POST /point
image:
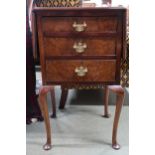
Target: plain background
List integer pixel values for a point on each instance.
(13, 77)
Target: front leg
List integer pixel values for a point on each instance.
(119, 102)
(44, 109)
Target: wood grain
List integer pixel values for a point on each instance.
(95, 46)
(64, 24)
(63, 70)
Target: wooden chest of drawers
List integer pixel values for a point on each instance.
(80, 45)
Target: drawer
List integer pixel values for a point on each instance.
(79, 47)
(79, 24)
(80, 70)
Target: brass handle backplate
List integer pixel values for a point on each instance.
(81, 71)
(79, 27)
(80, 47)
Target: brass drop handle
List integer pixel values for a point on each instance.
(80, 47)
(81, 71)
(79, 27)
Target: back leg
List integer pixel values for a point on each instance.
(53, 103)
(64, 93)
(106, 97)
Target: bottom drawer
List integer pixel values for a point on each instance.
(80, 70)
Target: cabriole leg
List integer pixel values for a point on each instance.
(44, 109)
(119, 102)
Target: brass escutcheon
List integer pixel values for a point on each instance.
(79, 27)
(81, 71)
(79, 47)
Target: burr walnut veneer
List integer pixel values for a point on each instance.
(81, 46)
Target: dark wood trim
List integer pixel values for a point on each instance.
(79, 11)
(124, 44)
(82, 83)
(118, 50)
(80, 57)
(81, 34)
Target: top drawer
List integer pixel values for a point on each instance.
(79, 24)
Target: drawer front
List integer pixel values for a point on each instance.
(79, 47)
(80, 71)
(79, 24)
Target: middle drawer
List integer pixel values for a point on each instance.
(75, 47)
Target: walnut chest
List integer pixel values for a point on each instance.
(81, 45)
